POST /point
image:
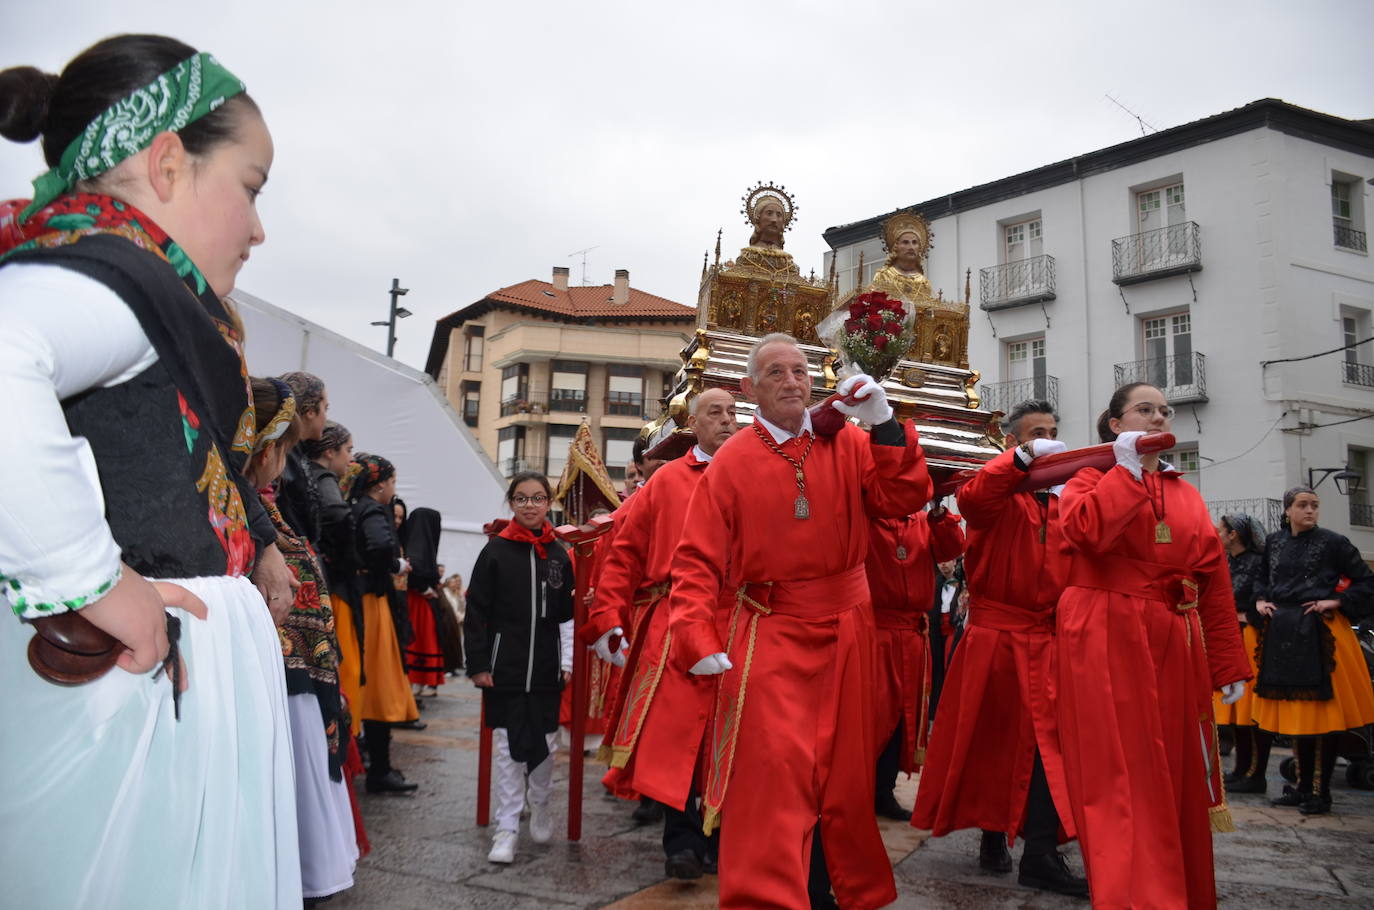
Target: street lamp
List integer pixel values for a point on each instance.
(1347, 481)
(397, 312)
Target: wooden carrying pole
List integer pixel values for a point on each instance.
(483, 769)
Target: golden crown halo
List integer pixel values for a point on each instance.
(762, 192)
(903, 223)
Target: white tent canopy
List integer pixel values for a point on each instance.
(393, 411)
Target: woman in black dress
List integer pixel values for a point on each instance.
(1243, 540)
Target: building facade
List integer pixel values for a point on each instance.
(1214, 260)
(527, 364)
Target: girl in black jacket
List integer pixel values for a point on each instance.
(519, 652)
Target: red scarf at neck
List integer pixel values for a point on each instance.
(514, 530)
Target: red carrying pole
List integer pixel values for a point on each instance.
(483, 769)
(580, 693)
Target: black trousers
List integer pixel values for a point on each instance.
(889, 762)
(682, 828)
(378, 736)
(1042, 819)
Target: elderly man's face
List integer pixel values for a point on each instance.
(714, 421)
(783, 385)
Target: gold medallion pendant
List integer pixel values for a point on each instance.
(1162, 533)
(801, 508)
(901, 553)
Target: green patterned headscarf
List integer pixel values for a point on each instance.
(185, 93)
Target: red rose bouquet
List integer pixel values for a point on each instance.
(870, 333)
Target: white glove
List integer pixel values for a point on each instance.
(1231, 692)
(602, 647)
(1038, 448)
(711, 665)
(1126, 455)
(872, 407)
(405, 566)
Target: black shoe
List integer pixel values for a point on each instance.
(1247, 785)
(993, 855)
(1290, 797)
(824, 902)
(1049, 872)
(410, 725)
(886, 806)
(648, 812)
(1315, 805)
(391, 782)
(710, 864)
(684, 865)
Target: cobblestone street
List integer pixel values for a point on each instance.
(427, 853)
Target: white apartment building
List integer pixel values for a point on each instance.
(1212, 259)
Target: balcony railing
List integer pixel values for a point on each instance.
(627, 404)
(1349, 238)
(1164, 251)
(1003, 396)
(571, 401)
(1361, 514)
(513, 466)
(1357, 373)
(1267, 512)
(1181, 377)
(1017, 283)
(525, 404)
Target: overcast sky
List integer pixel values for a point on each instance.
(462, 147)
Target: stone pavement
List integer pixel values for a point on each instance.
(428, 854)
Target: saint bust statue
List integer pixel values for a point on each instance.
(769, 209)
(906, 236)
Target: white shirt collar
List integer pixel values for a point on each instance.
(778, 433)
(700, 454)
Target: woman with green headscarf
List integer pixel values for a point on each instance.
(164, 778)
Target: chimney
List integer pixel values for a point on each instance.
(620, 294)
(560, 278)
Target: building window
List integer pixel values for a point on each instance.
(1347, 212)
(1022, 240)
(472, 401)
(568, 387)
(515, 388)
(618, 450)
(1361, 512)
(510, 450)
(473, 341)
(1355, 365)
(1185, 460)
(560, 441)
(624, 390)
(1169, 350)
(1026, 368)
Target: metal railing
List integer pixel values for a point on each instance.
(525, 404)
(1349, 238)
(512, 466)
(1357, 373)
(1154, 254)
(1181, 377)
(1361, 514)
(572, 401)
(1003, 396)
(1017, 283)
(1267, 512)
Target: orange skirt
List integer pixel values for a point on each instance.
(1241, 714)
(350, 660)
(386, 695)
(1352, 702)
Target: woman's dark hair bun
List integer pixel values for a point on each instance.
(24, 95)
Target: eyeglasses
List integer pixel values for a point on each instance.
(1148, 410)
(537, 499)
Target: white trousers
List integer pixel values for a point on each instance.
(509, 779)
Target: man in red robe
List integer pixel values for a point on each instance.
(902, 553)
(994, 760)
(632, 595)
(785, 513)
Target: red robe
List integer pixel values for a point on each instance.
(997, 705)
(632, 594)
(900, 566)
(800, 747)
(1145, 631)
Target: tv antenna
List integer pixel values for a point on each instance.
(1145, 128)
(583, 254)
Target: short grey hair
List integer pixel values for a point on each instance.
(770, 338)
(1012, 422)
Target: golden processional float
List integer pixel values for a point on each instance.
(763, 291)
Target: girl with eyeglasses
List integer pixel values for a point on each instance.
(517, 635)
(1243, 540)
(1145, 630)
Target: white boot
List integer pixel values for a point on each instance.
(502, 848)
(541, 822)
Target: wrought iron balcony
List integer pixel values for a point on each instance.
(1003, 396)
(526, 404)
(1164, 251)
(1357, 373)
(1361, 514)
(1181, 377)
(1349, 238)
(1267, 512)
(513, 466)
(1017, 283)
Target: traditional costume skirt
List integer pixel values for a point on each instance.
(108, 801)
(324, 817)
(424, 657)
(350, 659)
(1240, 714)
(386, 694)
(1351, 701)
